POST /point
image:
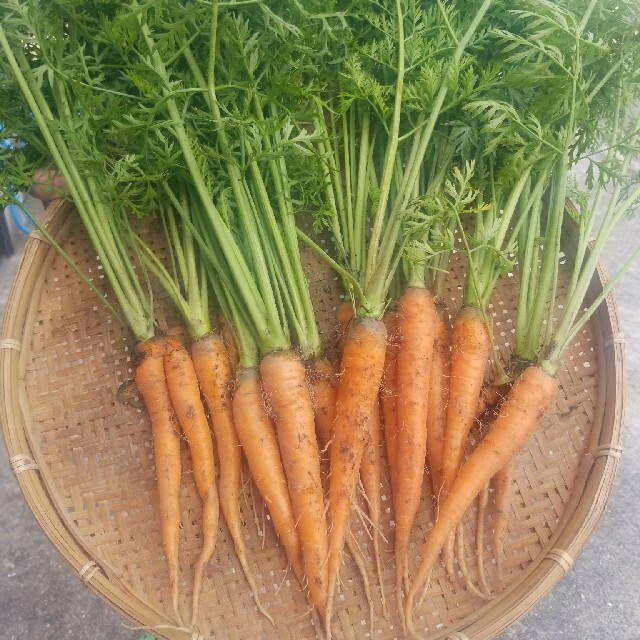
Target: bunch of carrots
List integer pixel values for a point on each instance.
(399, 133)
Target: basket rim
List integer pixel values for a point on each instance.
(589, 496)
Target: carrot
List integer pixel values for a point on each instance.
(344, 315)
(470, 350)
(482, 514)
(229, 342)
(389, 392)
(530, 396)
(371, 477)
(358, 387)
(324, 393)
(214, 371)
(371, 465)
(284, 381)
(501, 484)
(416, 325)
(185, 397)
(150, 380)
(258, 438)
(438, 398)
(490, 396)
(323, 384)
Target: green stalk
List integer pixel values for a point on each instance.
(279, 241)
(244, 206)
(263, 312)
(308, 335)
(528, 254)
(347, 277)
(390, 155)
(136, 312)
(572, 306)
(357, 251)
(342, 216)
(193, 304)
(245, 338)
(67, 258)
(379, 264)
(553, 355)
(544, 285)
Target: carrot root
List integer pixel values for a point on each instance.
(530, 396)
(416, 327)
(464, 567)
(371, 477)
(358, 557)
(358, 387)
(438, 398)
(482, 515)
(215, 374)
(389, 392)
(230, 343)
(152, 385)
(185, 397)
(323, 385)
(448, 555)
(502, 484)
(285, 383)
(257, 435)
(470, 351)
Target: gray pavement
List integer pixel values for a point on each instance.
(42, 599)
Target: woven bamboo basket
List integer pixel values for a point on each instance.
(83, 459)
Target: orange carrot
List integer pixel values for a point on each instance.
(213, 368)
(416, 326)
(501, 484)
(229, 342)
(482, 514)
(470, 350)
(323, 384)
(325, 390)
(371, 476)
(389, 392)
(358, 387)
(150, 380)
(185, 397)
(344, 315)
(438, 398)
(285, 384)
(490, 396)
(530, 396)
(258, 438)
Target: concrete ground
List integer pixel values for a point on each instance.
(42, 599)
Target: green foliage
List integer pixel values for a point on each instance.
(365, 115)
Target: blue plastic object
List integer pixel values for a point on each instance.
(18, 214)
(19, 217)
